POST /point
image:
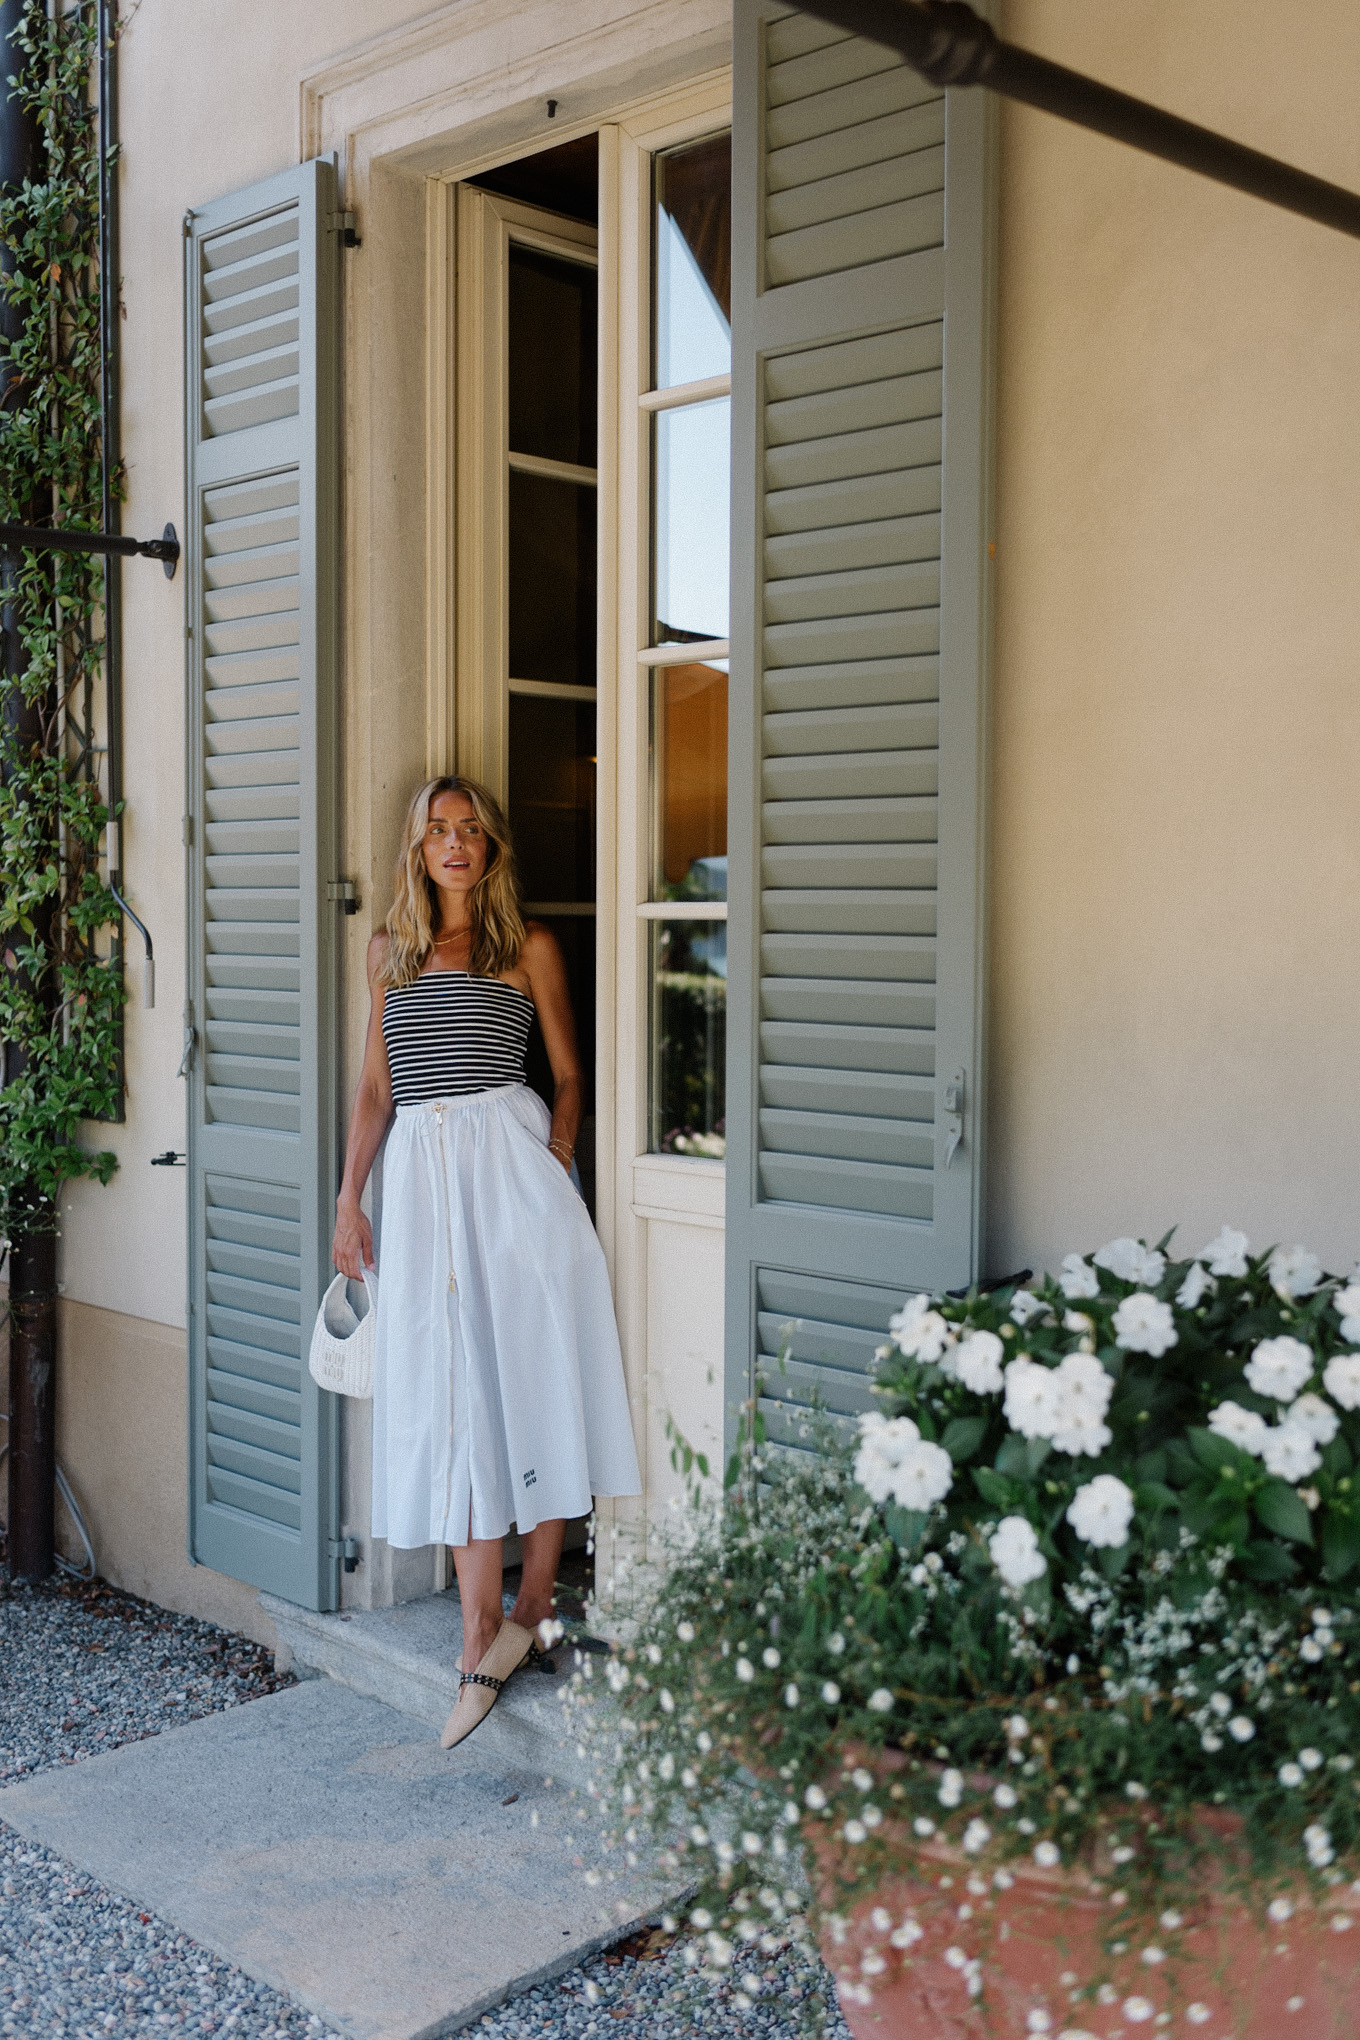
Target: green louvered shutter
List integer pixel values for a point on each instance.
(861, 314)
(262, 294)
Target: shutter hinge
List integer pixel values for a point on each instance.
(186, 1061)
(345, 892)
(345, 224)
(955, 1092)
(187, 832)
(346, 1549)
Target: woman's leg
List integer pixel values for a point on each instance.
(478, 1566)
(542, 1555)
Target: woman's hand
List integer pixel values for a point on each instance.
(352, 1247)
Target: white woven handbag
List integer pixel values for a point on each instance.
(341, 1358)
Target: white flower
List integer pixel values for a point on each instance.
(1152, 1956)
(1005, 1797)
(1211, 1742)
(685, 1631)
(1346, 1303)
(976, 1836)
(906, 1935)
(1311, 1651)
(1241, 1728)
(1078, 1278)
(1077, 1321)
(855, 1831)
(746, 1671)
(1198, 1281)
(1227, 1255)
(951, 1788)
(1293, 1271)
(1015, 1551)
(1047, 1855)
(880, 1701)
(923, 1827)
(831, 1692)
(1280, 1910)
(835, 1643)
(1279, 1368)
(895, 1461)
(1289, 1452)
(1025, 1305)
(1137, 2009)
(1245, 1428)
(1032, 1398)
(791, 1695)
(1084, 1390)
(1101, 1511)
(815, 1798)
(1316, 1417)
(770, 1659)
(1311, 1759)
(977, 1363)
(1221, 1705)
(1290, 1775)
(918, 1331)
(1198, 2014)
(1341, 1378)
(1131, 1261)
(1142, 1324)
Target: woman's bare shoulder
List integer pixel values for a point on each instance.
(378, 947)
(539, 943)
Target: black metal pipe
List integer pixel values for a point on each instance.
(110, 330)
(951, 45)
(65, 538)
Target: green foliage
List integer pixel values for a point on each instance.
(60, 998)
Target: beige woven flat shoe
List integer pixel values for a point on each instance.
(479, 1691)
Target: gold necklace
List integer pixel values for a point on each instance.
(457, 936)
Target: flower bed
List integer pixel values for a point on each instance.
(1091, 1568)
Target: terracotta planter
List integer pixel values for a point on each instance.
(1231, 1973)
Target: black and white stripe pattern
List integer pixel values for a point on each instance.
(448, 1034)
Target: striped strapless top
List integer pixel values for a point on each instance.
(448, 1034)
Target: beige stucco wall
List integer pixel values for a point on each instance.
(1175, 953)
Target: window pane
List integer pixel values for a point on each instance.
(694, 262)
(689, 782)
(689, 1036)
(692, 456)
(552, 796)
(552, 357)
(552, 580)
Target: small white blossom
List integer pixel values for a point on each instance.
(746, 1671)
(835, 1643)
(1290, 1775)
(1143, 1324)
(1077, 1321)
(831, 1692)
(791, 1695)
(1221, 1705)
(951, 1788)
(923, 1827)
(1241, 1728)
(815, 1798)
(1279, 1910)
(1246, 1428)
(1131, 1261)
(1006, 1797)
(1289, 1452)
(1137, 2009)
(1032, 1398)
(1101, 1511)
(1279, 1368)
(1047, 1855)
(1078, 1278)
(1026, 1306)
(880, 1701)
(895, 1461)
(1084, 1391)
(685, 1631)
(1227, 1255)
(1198, 2014)
(977, 1363)
(1316, 1417)
(976, 1836)
(862, 1780)
(770, 1658)
(955, 1957)
(1346, 1303)
(906, 1935)
(1211, 1742)
(855, 1831)
(1015, 1551)
(1311, 1759)
(1311, 1651)
(920, 1332)
(1341, 1378)
(1197, 1284)
(1152, 1956)
(1293, 1271)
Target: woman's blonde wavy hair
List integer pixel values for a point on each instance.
(494, 903)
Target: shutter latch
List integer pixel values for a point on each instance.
(346, 1549)
(954, 1094)
(186, 1061)
(345, 224)
(345, 893)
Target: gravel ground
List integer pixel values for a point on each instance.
(84, 1668)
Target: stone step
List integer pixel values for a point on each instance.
(405, 1657)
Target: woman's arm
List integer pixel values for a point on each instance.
(541, 959)
(353, 1244)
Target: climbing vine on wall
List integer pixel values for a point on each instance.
(60, 996)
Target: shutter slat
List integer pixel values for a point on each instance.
(262, 323)
(861, 911)
(858, 1092)
(897, 725)
(890, 88)
(910, 1050)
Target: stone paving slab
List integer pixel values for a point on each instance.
(327, 1845)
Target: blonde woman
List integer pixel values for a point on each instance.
(498, 1386)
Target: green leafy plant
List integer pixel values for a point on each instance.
(1083, 1584)
(61, 992)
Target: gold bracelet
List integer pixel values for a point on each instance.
(556, 1144)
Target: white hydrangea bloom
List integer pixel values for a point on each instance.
(1293, 1271)
(1143, 1324)
(1078, 1278)
(977, 1363)
(1341, 1379)
(1015, 1551)
(1289, 1452)
(895, 1462)
(1032, 1398)
(1101, 1511)
(1347, 1305)
(1316, 1417)
(1227, 1255)
(1279, 1368)
(1197, 1285)
(1025, 1306)
(1131, 1261)
(1084, 1391)
(920, 1332)
(1240, 1427)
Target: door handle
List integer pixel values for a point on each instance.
(955, 1094)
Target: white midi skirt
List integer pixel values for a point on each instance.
(498, 1392)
